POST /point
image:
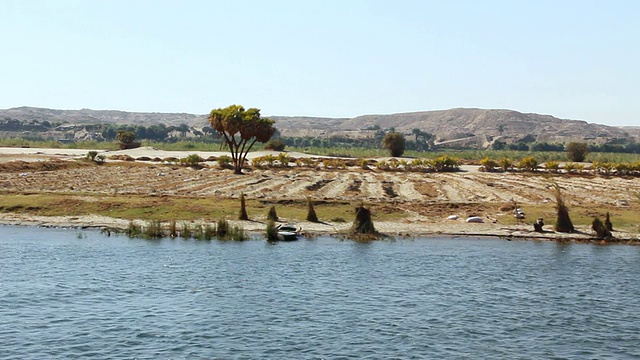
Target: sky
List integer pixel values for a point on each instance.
(570, 59)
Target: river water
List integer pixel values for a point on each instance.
(79, 294)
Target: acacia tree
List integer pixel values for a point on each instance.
(240, 130)
(394, 142)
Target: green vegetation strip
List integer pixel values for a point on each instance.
(168, 208)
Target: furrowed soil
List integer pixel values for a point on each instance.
(73, 192)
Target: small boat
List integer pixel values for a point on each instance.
(288, 232)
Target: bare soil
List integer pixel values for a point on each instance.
(422, 201)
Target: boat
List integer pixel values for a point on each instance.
(288, 232)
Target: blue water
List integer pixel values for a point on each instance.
(78, 294)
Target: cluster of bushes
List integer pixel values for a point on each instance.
(530, 164)
(155, 229)
(440, 164)
(268, 161)
(621, 169)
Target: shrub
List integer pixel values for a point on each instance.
(222, 229)
(363, 163)
(570, 167)
(271, 231)
(505, 164)
(577, 151)
(395, 143)
(284, 159)
(552, 166)
(153, 230)
(276, 145)
(305, 162)
(272, 215)
(416, 164)
(238, 234)
(204, 232)
(621, 168)
(488, 165)
(100, 158)
(173, 231)
(600, 229)
(311, 212)
(91, 155)
(528, 163)
(133, 230)
(186, 232)
(394, 164)
(607, 222)
(224, 162)
(363, 223)
(445, 163)
(191, 160)
(563, 221)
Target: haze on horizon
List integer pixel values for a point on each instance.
(570, 59)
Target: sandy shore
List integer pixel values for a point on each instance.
(425, 199)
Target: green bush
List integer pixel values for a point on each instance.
(271, 231)
(577, 151)
(552, 166)
(488, 165)
(191, 160)
(275, 145)
(528, 164)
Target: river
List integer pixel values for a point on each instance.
(79, 294)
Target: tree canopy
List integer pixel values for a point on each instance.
(577, 151)
(394, 142)
(240, 130)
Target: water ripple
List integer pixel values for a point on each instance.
(63, 297)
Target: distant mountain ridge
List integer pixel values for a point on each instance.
(88, 116)
(446, 124)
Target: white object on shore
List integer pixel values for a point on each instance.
(452, 217)
(475, 219)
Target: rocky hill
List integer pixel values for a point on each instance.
(479, 125)
(87, 116)
(458, 123)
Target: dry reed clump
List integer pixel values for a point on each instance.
(272, 215)
(563, 221)
(601, 230)
(363, 228)
(311, 212)
(271, 231)
(607, 222)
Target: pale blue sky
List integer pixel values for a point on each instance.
(570, 59)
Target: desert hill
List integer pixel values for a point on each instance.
(479, 125)
(87, 116)
(461, 122)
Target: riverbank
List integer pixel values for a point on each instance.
(404, 229)
(53, 188)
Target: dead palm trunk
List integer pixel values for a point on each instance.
(243, 208)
